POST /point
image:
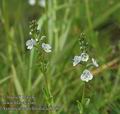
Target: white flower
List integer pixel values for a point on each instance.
(30, 33)
(42, 3)
(95, 62)
(84, 57)
(76, 60)
(46, 47)
(86, 76)
(30, 43)
(36, 40)
(32, 2)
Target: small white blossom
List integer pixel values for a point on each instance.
(76, 60)
(46, 47)
(30, 43)
(86, 76)
(84, 57)
(42, 3)
(36, 40)
(95, 62)
(32, 2)
(30, 33)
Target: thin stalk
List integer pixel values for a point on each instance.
(88, 14)
(49, 94)
(22, 39)
(83, 94)
(50, 21)
(30, 71)
(7, 30)
(89, 20)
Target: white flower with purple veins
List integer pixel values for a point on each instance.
(46, 47)
(32, 2)
(84, 57)
(86, 76)
(30, 43)
(95, 62)
(76, 60)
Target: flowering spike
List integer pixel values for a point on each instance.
(83, 43)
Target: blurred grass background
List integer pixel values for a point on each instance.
(62, 21)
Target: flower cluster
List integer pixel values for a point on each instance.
(34, 33)
(84, 58)
(39, 43)
(31, 43)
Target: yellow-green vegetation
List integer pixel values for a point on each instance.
(50, 78)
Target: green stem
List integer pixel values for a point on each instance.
(46, 81)
(49, 103)
(82, 100)
(88, 14)
(89, 20)
(83, 94)
(30, 71)
(50, 21)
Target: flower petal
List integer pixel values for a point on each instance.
(46, 47)
(86, 76)
(30, 43)
(84, 57)
(76, 60)
(95, 62)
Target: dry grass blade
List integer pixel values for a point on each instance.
(4, 79)
(17, 82)
(106, 66)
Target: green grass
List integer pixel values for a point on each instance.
(62, 21)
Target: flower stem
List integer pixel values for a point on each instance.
(83, 94)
